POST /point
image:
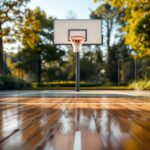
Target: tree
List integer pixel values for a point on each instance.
(88, 67)
(12, 63)
(109, 16)
(137, 18)
(11, 11)
(120, 56)
(38, 43)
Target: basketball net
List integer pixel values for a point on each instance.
(76, 42)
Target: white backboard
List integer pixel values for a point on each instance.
(90, 29)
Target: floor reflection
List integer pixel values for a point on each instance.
(74, 124)
(104, 128)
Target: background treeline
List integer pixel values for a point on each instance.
(123, 59)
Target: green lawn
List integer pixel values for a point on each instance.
(70, 85)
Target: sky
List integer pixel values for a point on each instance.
(61, 8)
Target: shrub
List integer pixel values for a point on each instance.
(140, 85)
(12, 83)
(66, 84)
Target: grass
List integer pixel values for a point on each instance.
(70, 85)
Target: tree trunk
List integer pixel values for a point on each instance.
(39, 70)
(1, 51)
(109, 59)
(109, 55)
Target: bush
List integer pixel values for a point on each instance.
(12, 83)
(140, 85)
(66, 84)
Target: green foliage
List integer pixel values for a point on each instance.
(88, 67)
(67, 84)
(132, 19)
(68, 68)
(37, 41)
(11, 9)
(118, 56)
(137, 18)
(12, 13)
(52, 72)
(109, 15)
(90, 62)
(12, 83)
(30, 29)
(140, 85)
(70, 85)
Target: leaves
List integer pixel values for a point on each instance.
(11, 10)
(137, 18)
(37, 33)
(109, 15)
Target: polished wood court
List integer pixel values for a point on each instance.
(74, 123)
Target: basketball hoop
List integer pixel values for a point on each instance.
(76, 42)
(77, 32)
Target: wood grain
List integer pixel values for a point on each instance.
(51, 123)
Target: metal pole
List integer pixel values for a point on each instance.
(118, 73)
(135, 68)
(77, 71)
(5, 63)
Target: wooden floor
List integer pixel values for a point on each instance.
(74, 123)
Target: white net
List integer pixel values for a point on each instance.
(76, 42)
